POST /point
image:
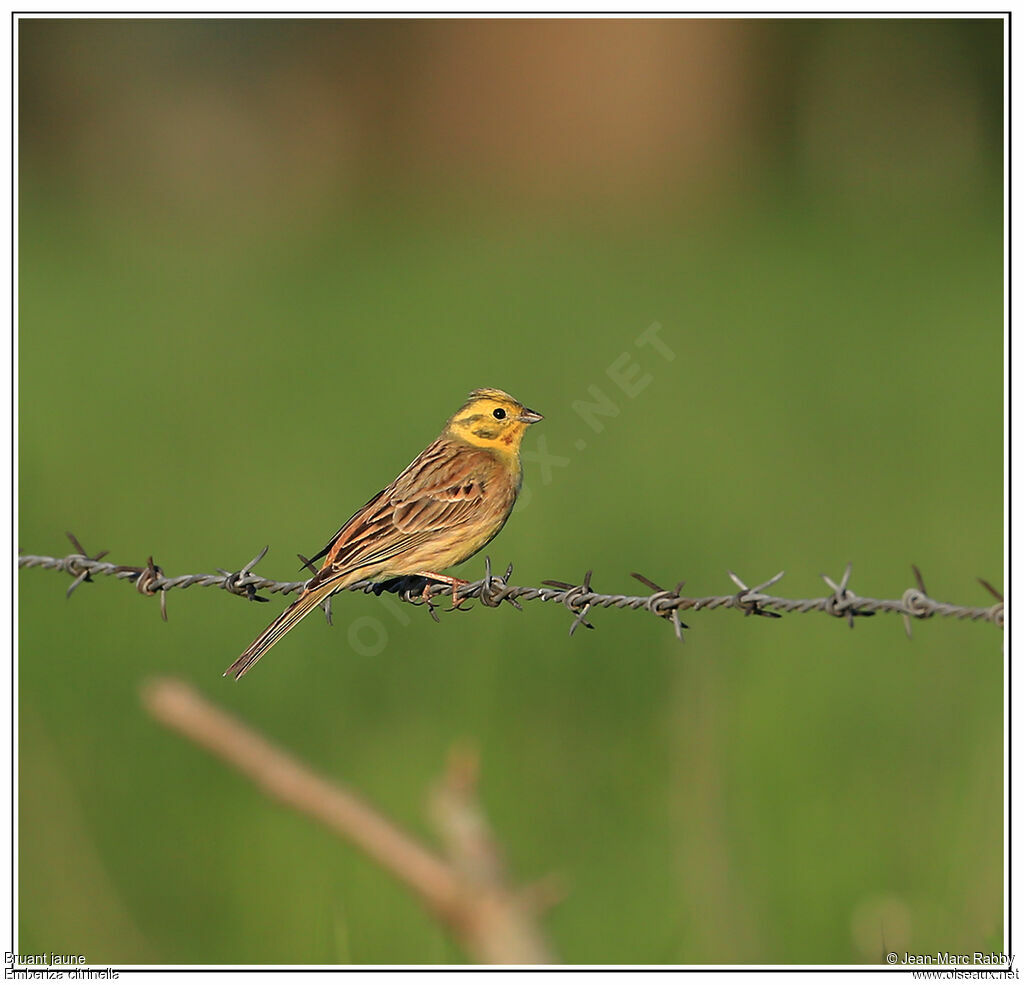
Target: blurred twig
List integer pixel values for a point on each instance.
(495, 924)
(580, 599)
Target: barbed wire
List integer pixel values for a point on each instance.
(493, 589)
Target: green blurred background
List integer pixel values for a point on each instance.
(262, 261)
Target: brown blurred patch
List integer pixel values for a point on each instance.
(228, 120)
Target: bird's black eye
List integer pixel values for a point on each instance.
(499, 413)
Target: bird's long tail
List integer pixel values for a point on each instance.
(291, 616)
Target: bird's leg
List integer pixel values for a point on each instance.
(456, 584)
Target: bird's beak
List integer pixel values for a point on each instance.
(530, 416)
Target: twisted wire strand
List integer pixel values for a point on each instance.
(580, 599)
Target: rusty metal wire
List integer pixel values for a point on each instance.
(580, 599)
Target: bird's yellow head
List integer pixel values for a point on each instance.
(492, 419)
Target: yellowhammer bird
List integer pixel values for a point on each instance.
(447, 505)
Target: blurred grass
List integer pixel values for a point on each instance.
(835, 395)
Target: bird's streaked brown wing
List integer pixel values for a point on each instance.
(337, 533)
(438, 491)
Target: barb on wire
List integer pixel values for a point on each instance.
(749, 600)
(659, 596)
(84, 575)
(843, 601)
(580, 599)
